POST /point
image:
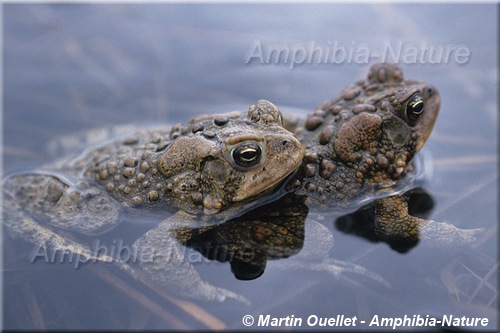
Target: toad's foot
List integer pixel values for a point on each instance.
(395, 225)
(335, 267)
(165, 261)
(434, 233)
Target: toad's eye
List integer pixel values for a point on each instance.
(415, 107)
(247, 155)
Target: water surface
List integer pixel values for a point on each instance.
(72, 68)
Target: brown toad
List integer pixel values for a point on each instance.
(360, 147)
(359, 150)
(211, 169)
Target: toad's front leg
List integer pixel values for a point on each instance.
(164, 260)
(394, 224)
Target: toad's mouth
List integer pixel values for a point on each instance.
(426, 124)
(269, 182)
(271, 193)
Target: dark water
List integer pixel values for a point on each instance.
(71, 68)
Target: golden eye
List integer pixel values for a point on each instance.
(415, 107)
(247, 155)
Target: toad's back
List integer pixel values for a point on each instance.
(201, 167)
(364, 139)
